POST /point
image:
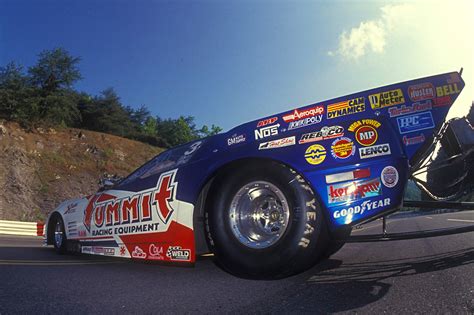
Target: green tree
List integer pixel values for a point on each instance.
(55, 69)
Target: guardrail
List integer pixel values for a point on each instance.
(21, 228)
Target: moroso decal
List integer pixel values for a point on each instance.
(323, 134)
(107, 210)
(420, 92)
(349, 107)
(385, 99)
(342, 148)
(315, 154)
(354, 190)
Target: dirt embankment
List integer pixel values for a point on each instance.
(40, 169)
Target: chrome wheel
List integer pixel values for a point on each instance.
(58, 234)
(259, 214)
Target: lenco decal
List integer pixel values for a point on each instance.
(375, 150)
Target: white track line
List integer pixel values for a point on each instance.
(460, 220)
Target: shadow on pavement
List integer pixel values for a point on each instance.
(359, 284)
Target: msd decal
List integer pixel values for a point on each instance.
(354, 190)
(105, 210)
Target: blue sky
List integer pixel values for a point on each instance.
(228, 62)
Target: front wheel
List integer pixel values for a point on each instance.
(60, 238)
(264, 222)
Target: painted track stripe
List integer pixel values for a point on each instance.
(460, 220)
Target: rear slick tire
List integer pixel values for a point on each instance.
(264, 222)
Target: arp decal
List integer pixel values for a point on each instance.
(413, 140)
(367, 205)
(279, 143)
(266, 122)
(355, 190)
(126, 213)
(349, 107)
(389, 176)
(385, 99)
(267, 131)
(374, 151)
(342, 148)
(409, 109)
(323, 134)
(315, 154)
(422, 91)
(415, 122)
(177, 253)
(365, 131)
(235, 139)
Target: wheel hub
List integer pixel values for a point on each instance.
(259, 214)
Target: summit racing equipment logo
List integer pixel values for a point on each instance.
(323, 134)
(365, 131)
(349, 107)
(304, 117)
(108, 210)
(354, 190)
(342, 148)
(279, 143)
(266, 132)
(385, 99)
(177, 253)
(367, 205)
(315, 154)
(420, 92)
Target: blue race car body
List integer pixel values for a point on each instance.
(354, 151)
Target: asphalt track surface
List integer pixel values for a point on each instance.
(430, 275)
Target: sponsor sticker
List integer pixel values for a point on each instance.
(303, 113)
(177, 253)
(267, 121)
(235, 139)
(349, 107)
(323, 134)
(389, 176)
(279, 143)
(267, 131)
(375, 150)
(354, 190)
(367, 205)
(448, 89)
(415, 122)
(365, 131)
(386, 99)
(138, 253)
(155, 252)
(86, 249)
(410, 109)
(315, 154)
(122, 250)
(420, 92)
(305, 122)
(342, 148)
(413, 140)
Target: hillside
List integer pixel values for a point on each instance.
(41, 168)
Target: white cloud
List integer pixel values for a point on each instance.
(370, 35)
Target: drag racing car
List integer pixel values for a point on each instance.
(273, 196)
